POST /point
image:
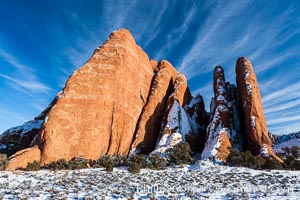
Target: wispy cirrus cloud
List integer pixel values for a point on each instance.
(31, 85)
(23, 77)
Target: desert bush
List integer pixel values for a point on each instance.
(61, 164)
(254, 162)
(79, 163)
(136, 162)
(33, 166)
(235, 158)
(273, 164)
(244, 159)
(291, 157)
(104, 161)
(119, 160)
(134, 167)
(141, 160)
(3, 161)
(156, 162)
(181, 153)
(109, 168)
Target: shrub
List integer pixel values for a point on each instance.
(119, 160)
(134, 167)
(254, 162)
(61, 164)
(34, 166)
(291, 157)
(141, 160)
(109, 168)
(157, 162)
(104, 161)
(235, 158)
(272, 164)
(181, 153)
(79, 163)
(3, 161)
(246, 159)
(137, 162)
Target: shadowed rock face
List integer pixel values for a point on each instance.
(148, 127)
(251, 105)
(176, 124)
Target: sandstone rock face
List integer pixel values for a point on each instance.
(218, 132)
(175, 125)
(181, 91)
(122, 102)
(253, 115)
(148, 127)
(100, 104)
(21, 158)
(223, 129)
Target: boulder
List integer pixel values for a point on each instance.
(21, 158)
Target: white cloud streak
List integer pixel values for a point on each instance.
(26, 79)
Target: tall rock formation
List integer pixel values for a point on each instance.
(148, 127)
(114, 104)
(223, 129)
(122, 102)
(257, 137)
(175, 125)
(100, 104)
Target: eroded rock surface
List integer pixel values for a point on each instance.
(223, 130)
(148, 127)
(21, 158)
(100, 104)
(253, 117)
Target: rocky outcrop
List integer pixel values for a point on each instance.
(175, 125)
(100, 104)
(254, 121)
(148, 127)
(223, 130)
(21, 158)
(122, 102)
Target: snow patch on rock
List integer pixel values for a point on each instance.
(264, 151)
(178, 126)
(252, 121)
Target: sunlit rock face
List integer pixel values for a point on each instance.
(254, 122)
(121, 102)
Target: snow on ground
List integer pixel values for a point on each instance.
(202, 180)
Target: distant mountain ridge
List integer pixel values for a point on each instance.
(122, 102)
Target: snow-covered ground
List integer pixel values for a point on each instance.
(200, 181)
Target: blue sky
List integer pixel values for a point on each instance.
(43, 42)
